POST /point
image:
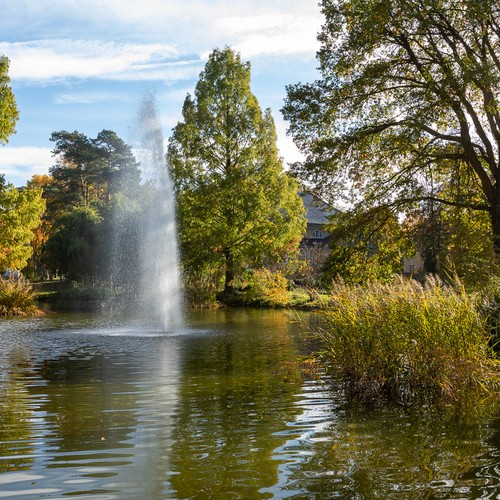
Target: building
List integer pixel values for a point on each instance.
(315, 244)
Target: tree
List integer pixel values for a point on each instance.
(92, 205)
(89, 171)
(8, 108)
(365, 247)
(42, 232)
(74, 250)
(236, 206)
(20, 213)
(409, 95)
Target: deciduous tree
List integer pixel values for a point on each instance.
(236, 205)
(409, 94)
(20, 213)
(9, 113)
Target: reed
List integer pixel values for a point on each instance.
(408, 341)
(17, 298)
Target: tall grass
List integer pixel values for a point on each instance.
(408, 341)
(17, 298)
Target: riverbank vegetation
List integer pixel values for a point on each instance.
(17, 298)
(409, 341)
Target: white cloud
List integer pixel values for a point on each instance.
(60, 59)
(287, 148)
(20, 163)
(272, 33)
(89, 97)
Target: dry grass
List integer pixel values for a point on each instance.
(407, 341)
(17, 298)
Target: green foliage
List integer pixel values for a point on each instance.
(200, 285)
(489, 300)
(20, 214)
(408, 341)
(90, 172)
(17, 298)
(264, 288)
(408, 94)
(365, 246)
(95, 203)
(75, 247)
(469, 251)
(236, 207)
(9, 113)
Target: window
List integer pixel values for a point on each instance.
(317, 234)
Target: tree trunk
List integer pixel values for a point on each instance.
(228, 285)
(495, 228)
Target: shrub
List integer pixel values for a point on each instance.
(490, 306)
(266, 288)
(81, 292)
(17, 298)
(200, 288)
(408, 341)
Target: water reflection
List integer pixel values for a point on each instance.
(109, 409)
(232, 403)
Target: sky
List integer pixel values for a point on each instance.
(86, 65)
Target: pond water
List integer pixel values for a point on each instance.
(111, 409)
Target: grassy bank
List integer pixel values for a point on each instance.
(409, 342)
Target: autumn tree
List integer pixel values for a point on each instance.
(9, 113)
(20, 213)
(42, 232)
(408, 95)
(236, 205)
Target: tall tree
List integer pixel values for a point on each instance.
(9, 113)
(42, 232)
(92, 203)
(20, 213)
(409, 94)
(89, 171)
(74, 250)
(236, 206)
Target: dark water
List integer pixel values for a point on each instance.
(215, 409)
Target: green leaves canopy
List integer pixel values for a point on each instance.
(20, 213)
(409, 93)
(89, 171)
(8, 108)
(236, 206)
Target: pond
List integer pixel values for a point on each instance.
(214, 409)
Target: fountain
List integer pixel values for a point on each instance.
(155, 256)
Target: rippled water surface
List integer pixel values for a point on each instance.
(215, 409)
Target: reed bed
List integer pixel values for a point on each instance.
(17, 298)
(408, 341)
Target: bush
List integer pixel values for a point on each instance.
(407, 341)
(81, 292)
(200, 288)
(490, 307)
(265, 288)
(17, 298)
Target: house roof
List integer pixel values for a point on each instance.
(317, 211)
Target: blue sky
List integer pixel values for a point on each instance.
(85, 65)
